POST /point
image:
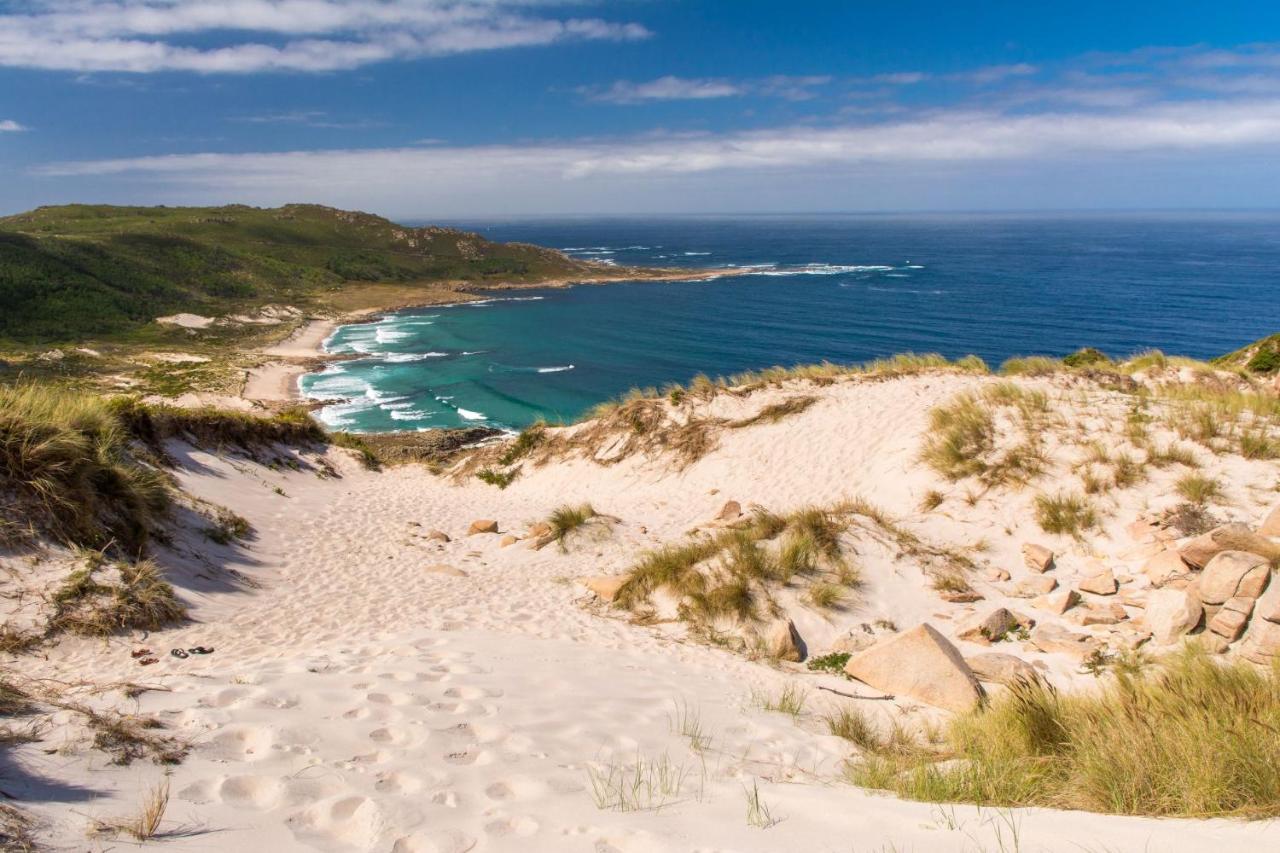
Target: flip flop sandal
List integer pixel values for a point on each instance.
(139, 653)
(201, 650)
(178, 653)
(148, 661)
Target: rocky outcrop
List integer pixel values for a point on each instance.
(992, 628)
(1232, 574)
(1229, 537)
(1171, 613)
(1165, 567)
(783, 642)
(920, 664)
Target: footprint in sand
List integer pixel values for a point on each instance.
(352, 820)
(444, 841)
(242, 743)
(521, 826)
(254, 792)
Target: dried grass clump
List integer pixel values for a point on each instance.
(962, 440)
(775, 412)
(1065, 513)
(1198, 488)
(139, 598)
(1199, 741)
(145, 824)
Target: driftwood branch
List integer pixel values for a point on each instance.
(888, 697)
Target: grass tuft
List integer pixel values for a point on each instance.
(1198, 489)
(1065, 513)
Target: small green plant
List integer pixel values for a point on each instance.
(825, 595)
(1198, 488)
(524, 444)
(832, 663)
(566, 520)
(1257, 444)
(790, 701)
(758, 813)
(854, 726)
(642, 785)
(495, 477)
(932, 500)
(1065, 513)
(686, 721)
(228, 527)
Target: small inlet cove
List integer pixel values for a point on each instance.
(802, 289)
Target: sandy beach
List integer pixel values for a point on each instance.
(373, 688)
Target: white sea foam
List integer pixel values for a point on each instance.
(696, 253)
(386, 335)
(410, 415)
(401, 357)
(467, 414)
(820, 269)
(491, 300)
(555, 369)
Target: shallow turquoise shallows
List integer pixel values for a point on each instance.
(805, 289)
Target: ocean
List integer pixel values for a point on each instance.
(843, 288)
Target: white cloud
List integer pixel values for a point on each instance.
(276, 35)
(11, 126)
(671, 88)
(996, 73)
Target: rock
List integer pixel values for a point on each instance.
(920, 664)
(1214, 644)
(1172, 613)
(988, 629)
(604, 586)
(442, 569)
(1059, 601)
(1144, 530)
(539, 528)
(1270, 610)
(1240, 604)
(1262, 645)
(1101, 614)
(1164, 567)
(1055, 638)
(1232, 573)
(857, 639)
(1000, 668)
(483, 525)
(1103, 583)
(508, 539)
(439, 536)
(1229, 537)
(1229, 624)
(731, 511)
(1038, 558)
(996, 574)
(1033, 586)
(1130, 639)
(783, 641)
(1271, 526)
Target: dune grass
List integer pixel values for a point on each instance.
(1199, 740)
(137, 598)
(567, 520)
(1198, 488)
(1065, 513)
(963, 436)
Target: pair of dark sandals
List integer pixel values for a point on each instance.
(185, 653)
(146, 658)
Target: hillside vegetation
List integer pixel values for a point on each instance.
(82, 271)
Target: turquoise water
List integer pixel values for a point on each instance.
(805, 289)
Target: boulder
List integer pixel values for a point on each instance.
(1240, 605)
(857, 639)
(999, 668)
(482, 525)
(439, 536)
(783, 641)
(1232, 573)
(442, 569)
(1229, 537)
(1102, 583)
(508, 539)
(1172, 613)
(1055, 638)
(1262, 645)
(1228, 624)
(988, 629)
(539, 528)
(1033, 586)
(920, 664)
(1144, 530)
(996, 573)
(1271, 526)
(1164, 567)
(1059, 601)
(604, 586)
(1099, 614)
(730, 512)
(1037, 558)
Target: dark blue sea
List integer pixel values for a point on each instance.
(807, 289)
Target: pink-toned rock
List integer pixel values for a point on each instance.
(1059, 601)
(1271, 526)
(508, 539)
(1233, 573)
(731, 511)
(1000, 668)
(1172, 613)
(1214, 644)
(996, 574)
(1055, 638)
(438, 536)
(482, 525)
(1037, 558)
(1228, 624)
(1229, 537)
(1102, 583)
(922, 665)
(604, 586)
(1164, 567)
(1143, 530)
(1240, 604)
(1098, 614)
(1033, 586)
(1262, 644)
(990, 628)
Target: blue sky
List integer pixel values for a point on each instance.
(428, 108)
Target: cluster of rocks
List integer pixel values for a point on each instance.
(1218, 587)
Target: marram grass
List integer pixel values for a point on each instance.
(1188, 736)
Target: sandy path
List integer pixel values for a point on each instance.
(358, 701)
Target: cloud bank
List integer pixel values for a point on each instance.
(143, 36)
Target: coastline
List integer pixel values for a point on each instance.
(275, 381)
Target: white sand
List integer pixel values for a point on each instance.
(356, 701)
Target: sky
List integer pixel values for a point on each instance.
(426, 109)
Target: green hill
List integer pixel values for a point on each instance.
(1261, 357)
(85, 271)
